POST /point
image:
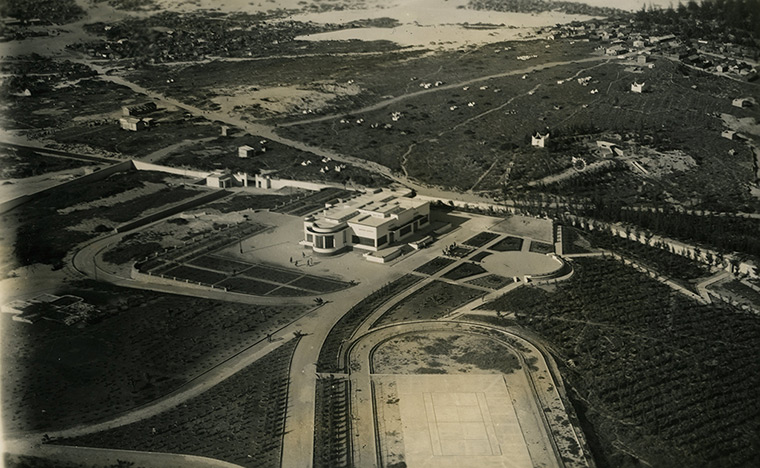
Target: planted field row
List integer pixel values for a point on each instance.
(430, 302)
(659, 259)
(680, 374)
(241, 420)
(332, 424)
(43, 234)
(145, 345)
(329, 354)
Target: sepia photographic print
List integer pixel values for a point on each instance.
(380, 233)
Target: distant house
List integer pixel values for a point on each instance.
(138, 109)
(643, 59)
(637, 87)
(609, 148)
(615, 50)
(134, 124)
(639, 43)
(729, 134)
(742, 102)
(246, 151)
(538, 140)
(221, 179)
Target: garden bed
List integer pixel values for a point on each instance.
(541, 247)
(435, 265)
(464, 270)
(481, 239)
(492, 281)
(508, 244)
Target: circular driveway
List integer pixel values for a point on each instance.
(511, 264)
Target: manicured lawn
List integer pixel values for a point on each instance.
(435, 265)
(464, 270)
(541, 247)
(508, 244)
(479, 240)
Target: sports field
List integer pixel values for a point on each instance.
(450, 421)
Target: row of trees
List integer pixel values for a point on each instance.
(241, 420)
(667, 381)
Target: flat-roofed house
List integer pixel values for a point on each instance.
(246, 151)
(538, 140)
(134, 124)
(370, 222)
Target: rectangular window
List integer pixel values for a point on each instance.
(424, 220)
(329, 242)
(309, 237)
(405, 230)
(320, 242)
(363, 241)
(382, 240)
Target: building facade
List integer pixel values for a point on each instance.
(370, 222)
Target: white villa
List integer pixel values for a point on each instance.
(370, 222)
(538, 140)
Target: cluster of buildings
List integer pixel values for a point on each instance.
(620, 38)
(133, 119)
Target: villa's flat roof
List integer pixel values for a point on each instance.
(370, 221)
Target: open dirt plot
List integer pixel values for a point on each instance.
(443, 353)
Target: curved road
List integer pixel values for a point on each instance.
(547, 427)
